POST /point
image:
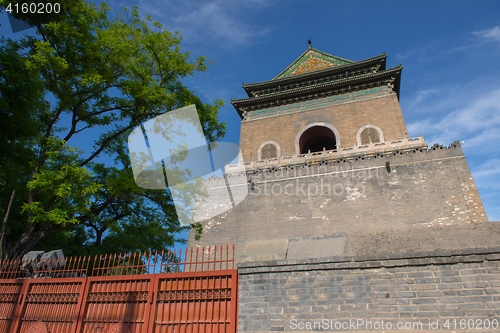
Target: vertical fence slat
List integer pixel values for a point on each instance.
(94, 293)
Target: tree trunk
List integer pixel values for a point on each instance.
(3, 254)
(32, 235)
(98, 236)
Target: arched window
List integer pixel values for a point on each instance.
(267, 150)
(369, 134)
(317, 138)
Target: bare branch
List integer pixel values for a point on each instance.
(104, 111)
(105, 143)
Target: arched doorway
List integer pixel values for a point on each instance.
(317, 138)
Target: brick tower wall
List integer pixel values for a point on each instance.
(363, 200)
(440, 291)
(347, 118)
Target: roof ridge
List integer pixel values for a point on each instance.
(310, 50)
(289, 78)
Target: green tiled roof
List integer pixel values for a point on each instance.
(342, 81)
(377, 62)
(312, 60)
(317, 74)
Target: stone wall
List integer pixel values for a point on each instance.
(378, 196)
(347, 119)
(444, 289)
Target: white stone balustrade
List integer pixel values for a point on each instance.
(384, 147)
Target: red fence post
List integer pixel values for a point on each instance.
(81, 295)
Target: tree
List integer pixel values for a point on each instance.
(85, 76)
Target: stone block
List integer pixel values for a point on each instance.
(265, 250)
(316, 246)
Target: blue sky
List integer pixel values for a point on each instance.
(450, 52)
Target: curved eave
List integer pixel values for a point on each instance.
(349, 82)
(249, 87)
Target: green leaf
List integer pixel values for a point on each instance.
(87, 78)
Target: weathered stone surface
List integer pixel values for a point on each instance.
(316, 247)
(265, 250)
(401, 294)
(427, 202)
(388, 231)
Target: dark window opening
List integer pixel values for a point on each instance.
(316, 139)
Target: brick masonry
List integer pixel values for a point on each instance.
(425, 196)
(346, 118)
(438, 287)
(399, 236)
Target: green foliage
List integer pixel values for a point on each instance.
(59, 178)
(86, 78)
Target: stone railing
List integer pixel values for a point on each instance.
(331, 154)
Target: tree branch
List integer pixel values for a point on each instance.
(104, 111)
(82, 129)
(97, 211)
(105, 143)
(74, 122)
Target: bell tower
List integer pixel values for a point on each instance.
(330, 166)
(323, 103)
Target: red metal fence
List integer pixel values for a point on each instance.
(170, 292)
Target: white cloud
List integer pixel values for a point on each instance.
(493, 33)
(459, 99)
(421, 96)
(474, 118)
(215, 21)
(488, 169)
(487, 179)
(477, 123)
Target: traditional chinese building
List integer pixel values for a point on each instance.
(322, 103)
(346, 216)
(326, 152)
